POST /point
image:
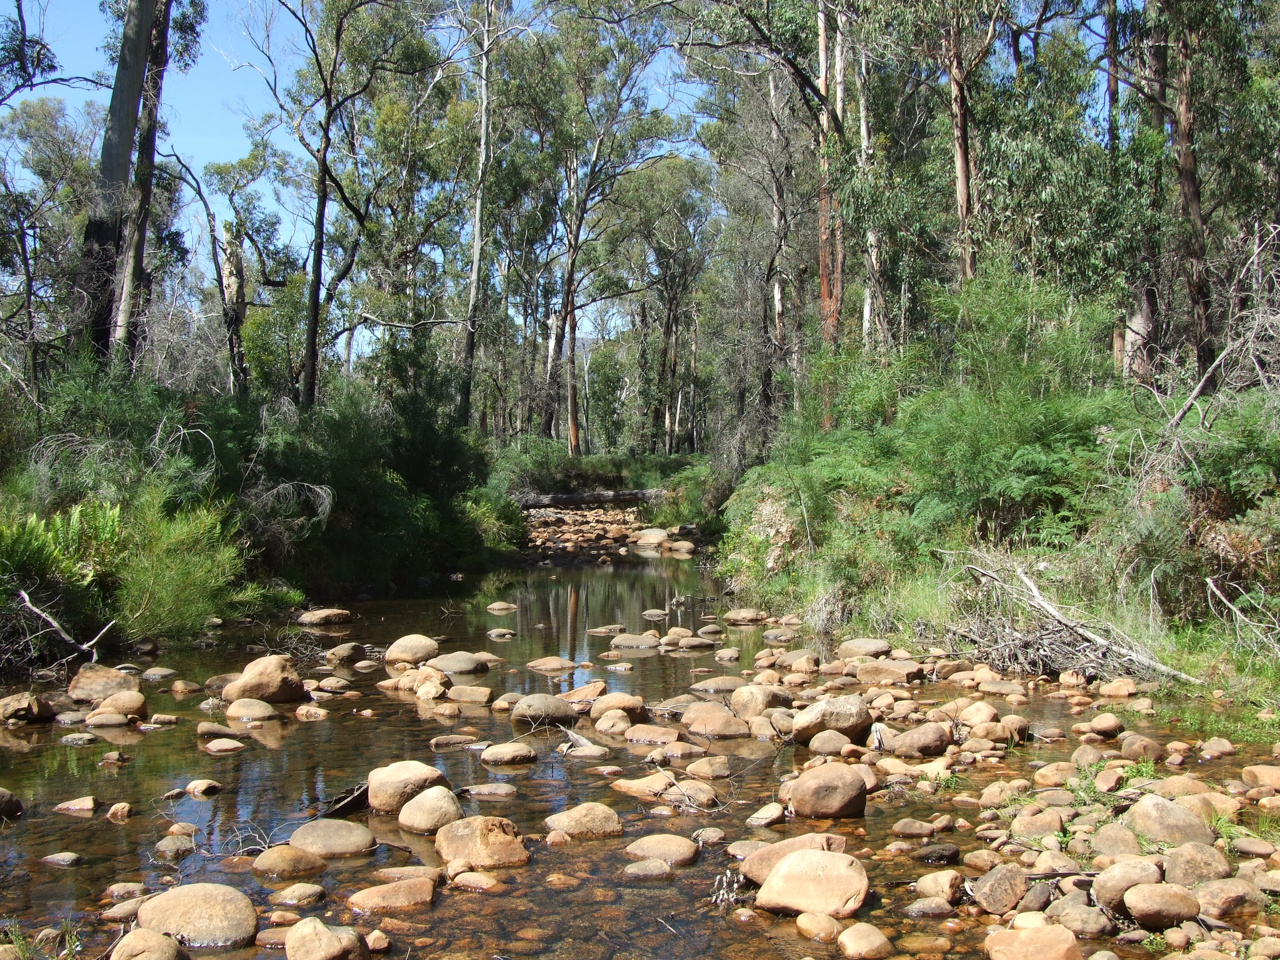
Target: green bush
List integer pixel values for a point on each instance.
(179, 569)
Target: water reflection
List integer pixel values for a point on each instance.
(588, 909)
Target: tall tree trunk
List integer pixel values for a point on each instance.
(837, 221)
(477, 221)
(960, 148)
(130, 277)
(555, 350)
(779, 222)
(829, 315)
(311, 357)
(1143, 333)
(1195, 264)
(571, 375)
(644, 423)
(1113, 80)
(876, 334)
(102, 232)
(234, 307)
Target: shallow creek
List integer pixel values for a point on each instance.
(291, 768)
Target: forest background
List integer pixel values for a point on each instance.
(924, 308)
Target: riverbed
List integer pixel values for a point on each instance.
(571, 900)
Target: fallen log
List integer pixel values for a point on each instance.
(592, 498)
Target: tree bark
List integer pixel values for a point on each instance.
(234, 308)
(571, 375)
(311, 355)
(960, 148)
(102, 232)
(477, 221)
(958, 79)
(1195, 265)
(827, 310)
(130, 277)
(876, 334)
(1143, 334)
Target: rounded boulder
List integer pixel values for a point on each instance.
(815, 881)
(542, 709)
(832, 790)
(202, 915)
(394, 785)
(271, 679)
(433, 808)
(333, 838)
(411, 649)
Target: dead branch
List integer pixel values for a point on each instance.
(1084, 643)
(58, 628)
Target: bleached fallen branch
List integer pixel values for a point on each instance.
(58, 628)
(1126, 648)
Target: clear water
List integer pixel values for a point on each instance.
(290, 768)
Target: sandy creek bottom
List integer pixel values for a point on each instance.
(291, 768)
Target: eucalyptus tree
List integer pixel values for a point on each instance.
(655, 253)
(47, 181)
(175, 37)
(346, 48)
(602, 128)
(102, 230)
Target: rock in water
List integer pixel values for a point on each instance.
(484, 842)
(323, 618)
(1038, 943)
(394, 785)
(413, 892)
(202, 915)
(433, 808)
(312, 939)
(10, 806)
(862, 941)
(586, 820)
(333, 838)
(1000, 889)
(93, 681)
(831, 790)
(288, 862)
(143, 944)
(271, 679)
(815, 881)
(848, 715)
(757, 866)
(541, 709)
(412, 649)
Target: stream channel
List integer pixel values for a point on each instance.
(590, 910)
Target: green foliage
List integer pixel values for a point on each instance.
(545, 466)
(179, 569)
(159, 510)
(694, 495)
(987, 435)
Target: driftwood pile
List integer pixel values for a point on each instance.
(1036, 637)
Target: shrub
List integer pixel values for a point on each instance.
(179, 569)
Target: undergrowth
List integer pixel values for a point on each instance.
(1008, 437)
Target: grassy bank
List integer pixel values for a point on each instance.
(1008, 443)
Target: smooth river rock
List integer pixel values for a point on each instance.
(202, 915)
(333, 838)
(394, 785)
(312, 939)
(815, 881)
